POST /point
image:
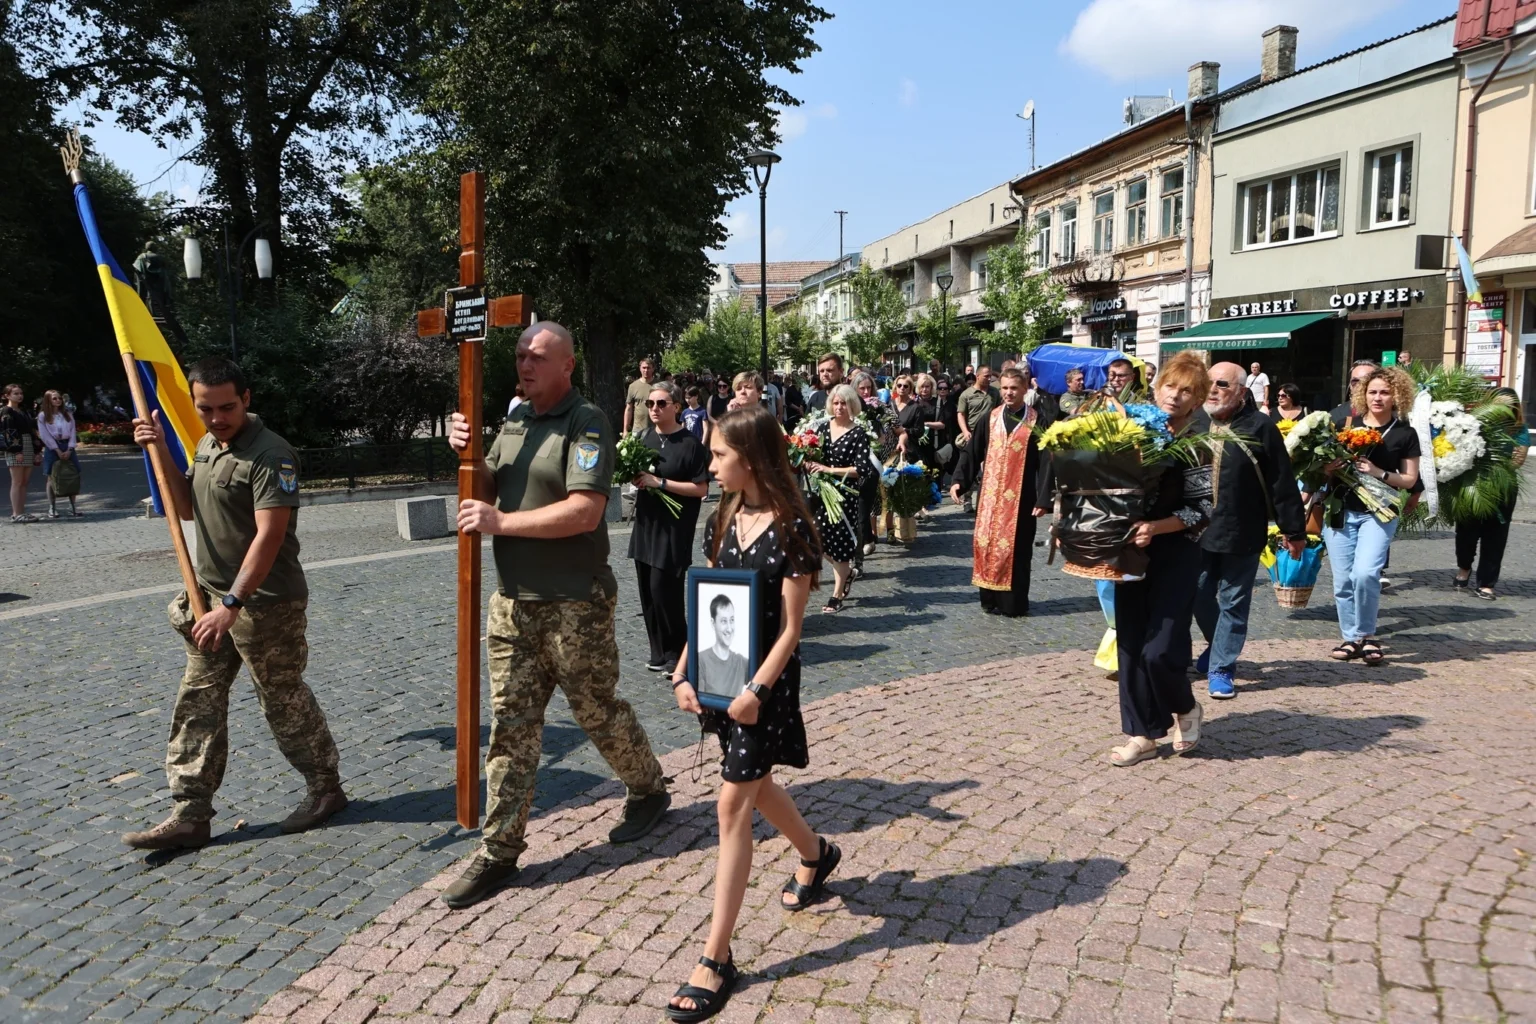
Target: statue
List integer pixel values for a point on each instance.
(153, 283)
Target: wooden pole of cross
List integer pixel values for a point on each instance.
(464, 318)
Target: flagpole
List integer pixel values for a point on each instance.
(71, 151)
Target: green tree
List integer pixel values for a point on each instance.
(726, 340)
(939, 330)
(1027, 303)
(613, 133)
(879, 314)
(276, 98)
(801, 339)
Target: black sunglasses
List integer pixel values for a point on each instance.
(659, 403)
(1222, 384)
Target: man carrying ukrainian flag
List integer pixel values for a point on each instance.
(240, 489)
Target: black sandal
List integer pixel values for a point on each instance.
(706, 1002)
(1460, 582)
(805, 895)
(1371, 652)
(1346, 651)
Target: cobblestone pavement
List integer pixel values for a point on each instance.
(1336, 850)
(89, 928)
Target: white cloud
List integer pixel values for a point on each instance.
(796, 121)
(908, 94)
(1127, 39)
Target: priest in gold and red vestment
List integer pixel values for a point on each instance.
(1015, 490)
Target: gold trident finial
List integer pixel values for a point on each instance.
(72, 151)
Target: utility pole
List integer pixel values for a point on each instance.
(840, 250)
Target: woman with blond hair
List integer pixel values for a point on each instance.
(1153, 614)
(22, 447)
(1357, 541)
(57, 429)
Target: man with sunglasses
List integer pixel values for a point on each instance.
(1252, 481)
(1359, 372)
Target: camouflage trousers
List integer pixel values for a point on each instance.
(535, 646)
(270, 642)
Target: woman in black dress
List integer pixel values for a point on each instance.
(762, 525)
(1153, 614)
(662, 543)
(845, 447)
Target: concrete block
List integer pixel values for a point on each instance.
(422, 518)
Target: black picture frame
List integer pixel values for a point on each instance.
(725, 678)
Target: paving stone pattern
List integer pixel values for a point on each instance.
(1334, 851)
(89, 928)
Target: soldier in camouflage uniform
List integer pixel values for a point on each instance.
(551, 618)
(242, 492)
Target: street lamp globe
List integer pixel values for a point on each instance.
(263, 253)
(192, 258)
(945, 281)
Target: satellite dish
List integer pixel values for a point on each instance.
(1029, 110)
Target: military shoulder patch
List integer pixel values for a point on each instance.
(594, 435)
(287, 476)
(586, 456)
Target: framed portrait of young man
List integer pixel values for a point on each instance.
(724, 619)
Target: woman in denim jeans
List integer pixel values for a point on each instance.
(1358, 542)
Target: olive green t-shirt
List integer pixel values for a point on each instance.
(539, 459)
(257, 470)
(974, 404)
(639, 391)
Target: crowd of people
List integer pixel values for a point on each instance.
(44, 436)
(551, 620)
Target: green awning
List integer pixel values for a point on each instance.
(1244, 332)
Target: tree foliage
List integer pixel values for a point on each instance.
(1026, 302)
(385, 382)
(879, 314)
(614, 132)
(798, 339)
(726, 340)
(276, 98)
(939, 330)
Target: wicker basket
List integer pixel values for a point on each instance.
(906, 529)
(1293, 597)
(1093, 572)
(1518, 458)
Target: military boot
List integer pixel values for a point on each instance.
(316, 809)
(482, 878)
(170, 834)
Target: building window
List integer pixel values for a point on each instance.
(991, 213)
(1292, 208)
(1173, 203)
(1043, 239)
(908, 290)
(981, 277)
(1104, 222)
(1172, 319)
(1391, 186)
(1069, 233)
(1136, 212)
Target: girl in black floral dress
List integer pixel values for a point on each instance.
(763, 525)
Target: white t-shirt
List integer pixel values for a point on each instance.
(1257, 385)
(771, 398)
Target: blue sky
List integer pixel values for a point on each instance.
(911, 107)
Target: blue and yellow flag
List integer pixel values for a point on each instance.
(165, 386)
(1468, 279)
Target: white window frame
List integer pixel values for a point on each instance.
(1136, 213)
(1168, 196)
(1104, 223)
(1068, 233)
(1043, 239)
(1267, 183)
(981, 276)
(1399, 216)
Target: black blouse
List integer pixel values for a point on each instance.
(659, 538)
(1399, 442)
(769, 558)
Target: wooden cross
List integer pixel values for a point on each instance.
(464, 318)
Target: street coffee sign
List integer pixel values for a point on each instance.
(1366, 298)
(468, 314)
(1101, 311)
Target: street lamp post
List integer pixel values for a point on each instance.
(945, 281)
(762, 161)
(192, 261)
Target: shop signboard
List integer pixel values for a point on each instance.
(1485, 337)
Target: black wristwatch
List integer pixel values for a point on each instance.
(759, 691)
(231, 601)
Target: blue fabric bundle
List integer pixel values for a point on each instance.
(1288, 571)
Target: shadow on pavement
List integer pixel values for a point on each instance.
(1249, 735)
(833, 807)
(994, 898)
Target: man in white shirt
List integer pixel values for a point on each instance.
(1258, 385)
